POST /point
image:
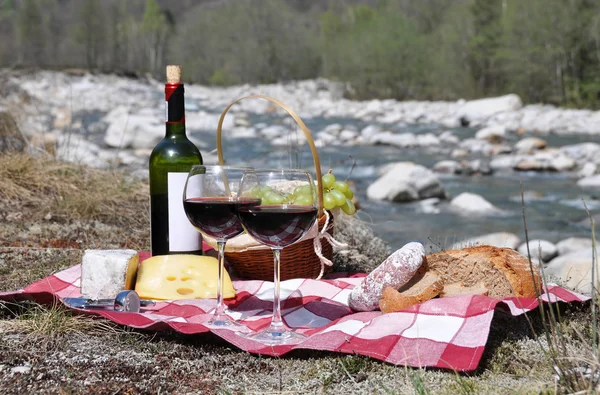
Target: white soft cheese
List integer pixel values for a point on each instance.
(106, 272)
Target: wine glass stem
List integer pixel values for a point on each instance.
(276, 321)
(221, 257)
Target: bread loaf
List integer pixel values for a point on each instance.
(503, 271)
(458, 289)
(423, 286)
(394, 272)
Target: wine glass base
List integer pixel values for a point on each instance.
(277, 336)
(224, 322)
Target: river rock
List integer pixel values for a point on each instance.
(530, 144)
(587, 170)
(459, 153)
(402, 140)
(561, 163)
(478, 111)
(590, 184)
(500, 239)
(11, 138)
(583, 152)
(530, 164)
(573, 244)
(493, 134)
(273, 131)
(549, 250)
(573, 270)
(405, 182)
(427, 140)
(471, 203)
(449, 137)
(504, 162)
(369, 131)
(447, 167)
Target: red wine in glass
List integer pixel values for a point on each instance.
(277, 225)
(217, 216)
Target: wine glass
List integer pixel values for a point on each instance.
(288, 210)
(211, 201)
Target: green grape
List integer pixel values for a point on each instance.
(340, 186)
(302, 190)
(255, 192)
(339, 197)
(264, 190)
(329, 201)
(289, 198)
(349, 194)
(265, 201)
(348, 207)
(304, 200)
(274, 198)
(328, 180)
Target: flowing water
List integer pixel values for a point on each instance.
(554, 207)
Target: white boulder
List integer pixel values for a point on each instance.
(405, 182)
(470, 203)
(573, 244)
(480, 110)
(530, 144)
(494, 134)
(548, 250)
(573, 270)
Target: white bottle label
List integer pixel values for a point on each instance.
(182, 235)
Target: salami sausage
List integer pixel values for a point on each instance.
(394, 272)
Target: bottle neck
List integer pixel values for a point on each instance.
(175, 110)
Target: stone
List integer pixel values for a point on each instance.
(447, 167)
(475, 111)
(449, 137)
(273, 131)
(573, 244)
(405, 182)
(500, 239)
(587, 170)
(478, 166)
(529, 164)
(347, 134)
(402, 140)
(503, 162)
(370, 130)
(590, 184)
(561, 163)
(459, 153)
(427, 140)
(549, 250)
(530, 144)
(11, 138)
(573, 270)
(493, 134)
(470, 203)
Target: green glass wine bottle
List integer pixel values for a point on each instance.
(170, 162)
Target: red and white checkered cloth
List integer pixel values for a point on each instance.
(444, 333)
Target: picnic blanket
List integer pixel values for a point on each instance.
(444, 333)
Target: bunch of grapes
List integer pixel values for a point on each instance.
(335, 194)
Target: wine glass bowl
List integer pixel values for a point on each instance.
(211, 202)
(287, 211)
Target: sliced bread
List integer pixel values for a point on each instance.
(423, 286)
(458, 289)
(503, 271)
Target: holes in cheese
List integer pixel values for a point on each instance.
(173, 277)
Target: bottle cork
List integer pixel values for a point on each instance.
(173, 74)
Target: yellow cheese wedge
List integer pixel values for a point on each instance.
(174, 277)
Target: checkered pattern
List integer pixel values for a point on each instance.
(444, 333)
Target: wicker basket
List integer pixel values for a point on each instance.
(298, 260)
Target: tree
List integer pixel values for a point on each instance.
(90, 32)
(156, 25)
(30, 34)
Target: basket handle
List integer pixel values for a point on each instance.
(300, 123)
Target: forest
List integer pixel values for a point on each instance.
(544, 50)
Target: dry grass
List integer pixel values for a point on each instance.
(44, 202)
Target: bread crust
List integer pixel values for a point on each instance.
(514, 266)
(393, 300)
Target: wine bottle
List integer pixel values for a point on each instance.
(170, 162)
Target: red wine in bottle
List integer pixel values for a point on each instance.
(170, 162)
